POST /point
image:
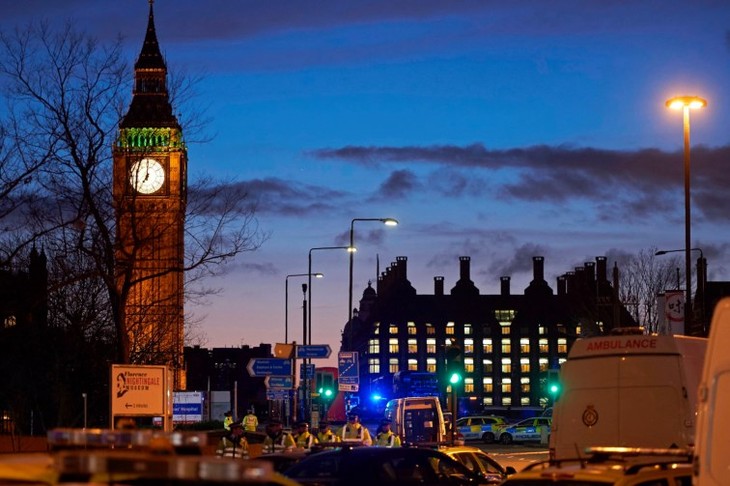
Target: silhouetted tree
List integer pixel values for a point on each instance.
(65, 94)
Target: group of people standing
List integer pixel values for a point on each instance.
(352, 432)
(234, 443)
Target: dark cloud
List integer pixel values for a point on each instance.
(399, 185)
(290, 198)
(640, 182)
(520, 262)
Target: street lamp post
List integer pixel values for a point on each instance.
(686, 103)
(286, 301)
(352, 250)
(688, 279)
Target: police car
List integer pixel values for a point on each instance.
(531, 429)
(479, 427)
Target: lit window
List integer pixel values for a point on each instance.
(525, 365)
(411, 328)
(506, 365)
(543, 345)
(487, 345)
(393, 329)
(392, 365)
(450, 328)
(504, 315)
(469, 365)
(412, 364)
(562, 360)
(374, 365)
(488, 384)
(431, 345)
(487, 364)
(543, 362)
(467, 328)
(468, 346)
(506, 346)
(541, 329)
(412, 346)
(525, 385)
(488, 401)
(577, 330)
(507, 401)
(430, 330)
(377, 328)
(469, 385)
(562, 346)
(506, 329)
(525, 401)
(374, 346)
(524, 345)
(10, 321)
(431, 365)
(507, 385)
(393, 345)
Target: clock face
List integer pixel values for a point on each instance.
(147, 176)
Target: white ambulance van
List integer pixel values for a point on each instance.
(631, 390)
(712, 447)
(417, 420)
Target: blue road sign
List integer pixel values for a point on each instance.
(348, 372)
(314, 351)
(278, 382)
(306, 370)
(269, 366)
(277, 394)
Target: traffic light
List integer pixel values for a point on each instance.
(326, 385)
(553, 384)
(454, 365)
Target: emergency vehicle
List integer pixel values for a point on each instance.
(632, 390)
(712, 447)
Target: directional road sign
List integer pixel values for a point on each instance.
(348, 373)
(314, 351)
(278, 394)
(279, 382)
(269, 366)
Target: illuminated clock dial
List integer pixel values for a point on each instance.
(147, 176)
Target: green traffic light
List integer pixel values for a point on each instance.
(454, 378)
(328, 393)
(554, 389)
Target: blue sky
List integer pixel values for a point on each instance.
(498, 130)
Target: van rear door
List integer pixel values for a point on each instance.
(712, 447)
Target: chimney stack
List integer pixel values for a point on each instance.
(438, 285)
(464, 270)
(505, 285)
(538, 264)
(601, 271)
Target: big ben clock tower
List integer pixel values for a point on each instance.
(150, 192)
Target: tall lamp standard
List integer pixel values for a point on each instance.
(700, 278)
(286, 301)
(686, 103)
(352, 250)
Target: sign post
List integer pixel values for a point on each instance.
(141, 391)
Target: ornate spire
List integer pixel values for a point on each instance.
(150, 102)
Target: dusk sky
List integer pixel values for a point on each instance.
(499, 130)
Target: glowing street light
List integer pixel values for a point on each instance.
(352, 250)
(687, 103)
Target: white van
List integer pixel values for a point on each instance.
(712, 447)
(417, 420)
(632, 390)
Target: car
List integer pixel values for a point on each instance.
(531, 429)
(480, 462)
(479, 427)
(382, 466)
(611, 466)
